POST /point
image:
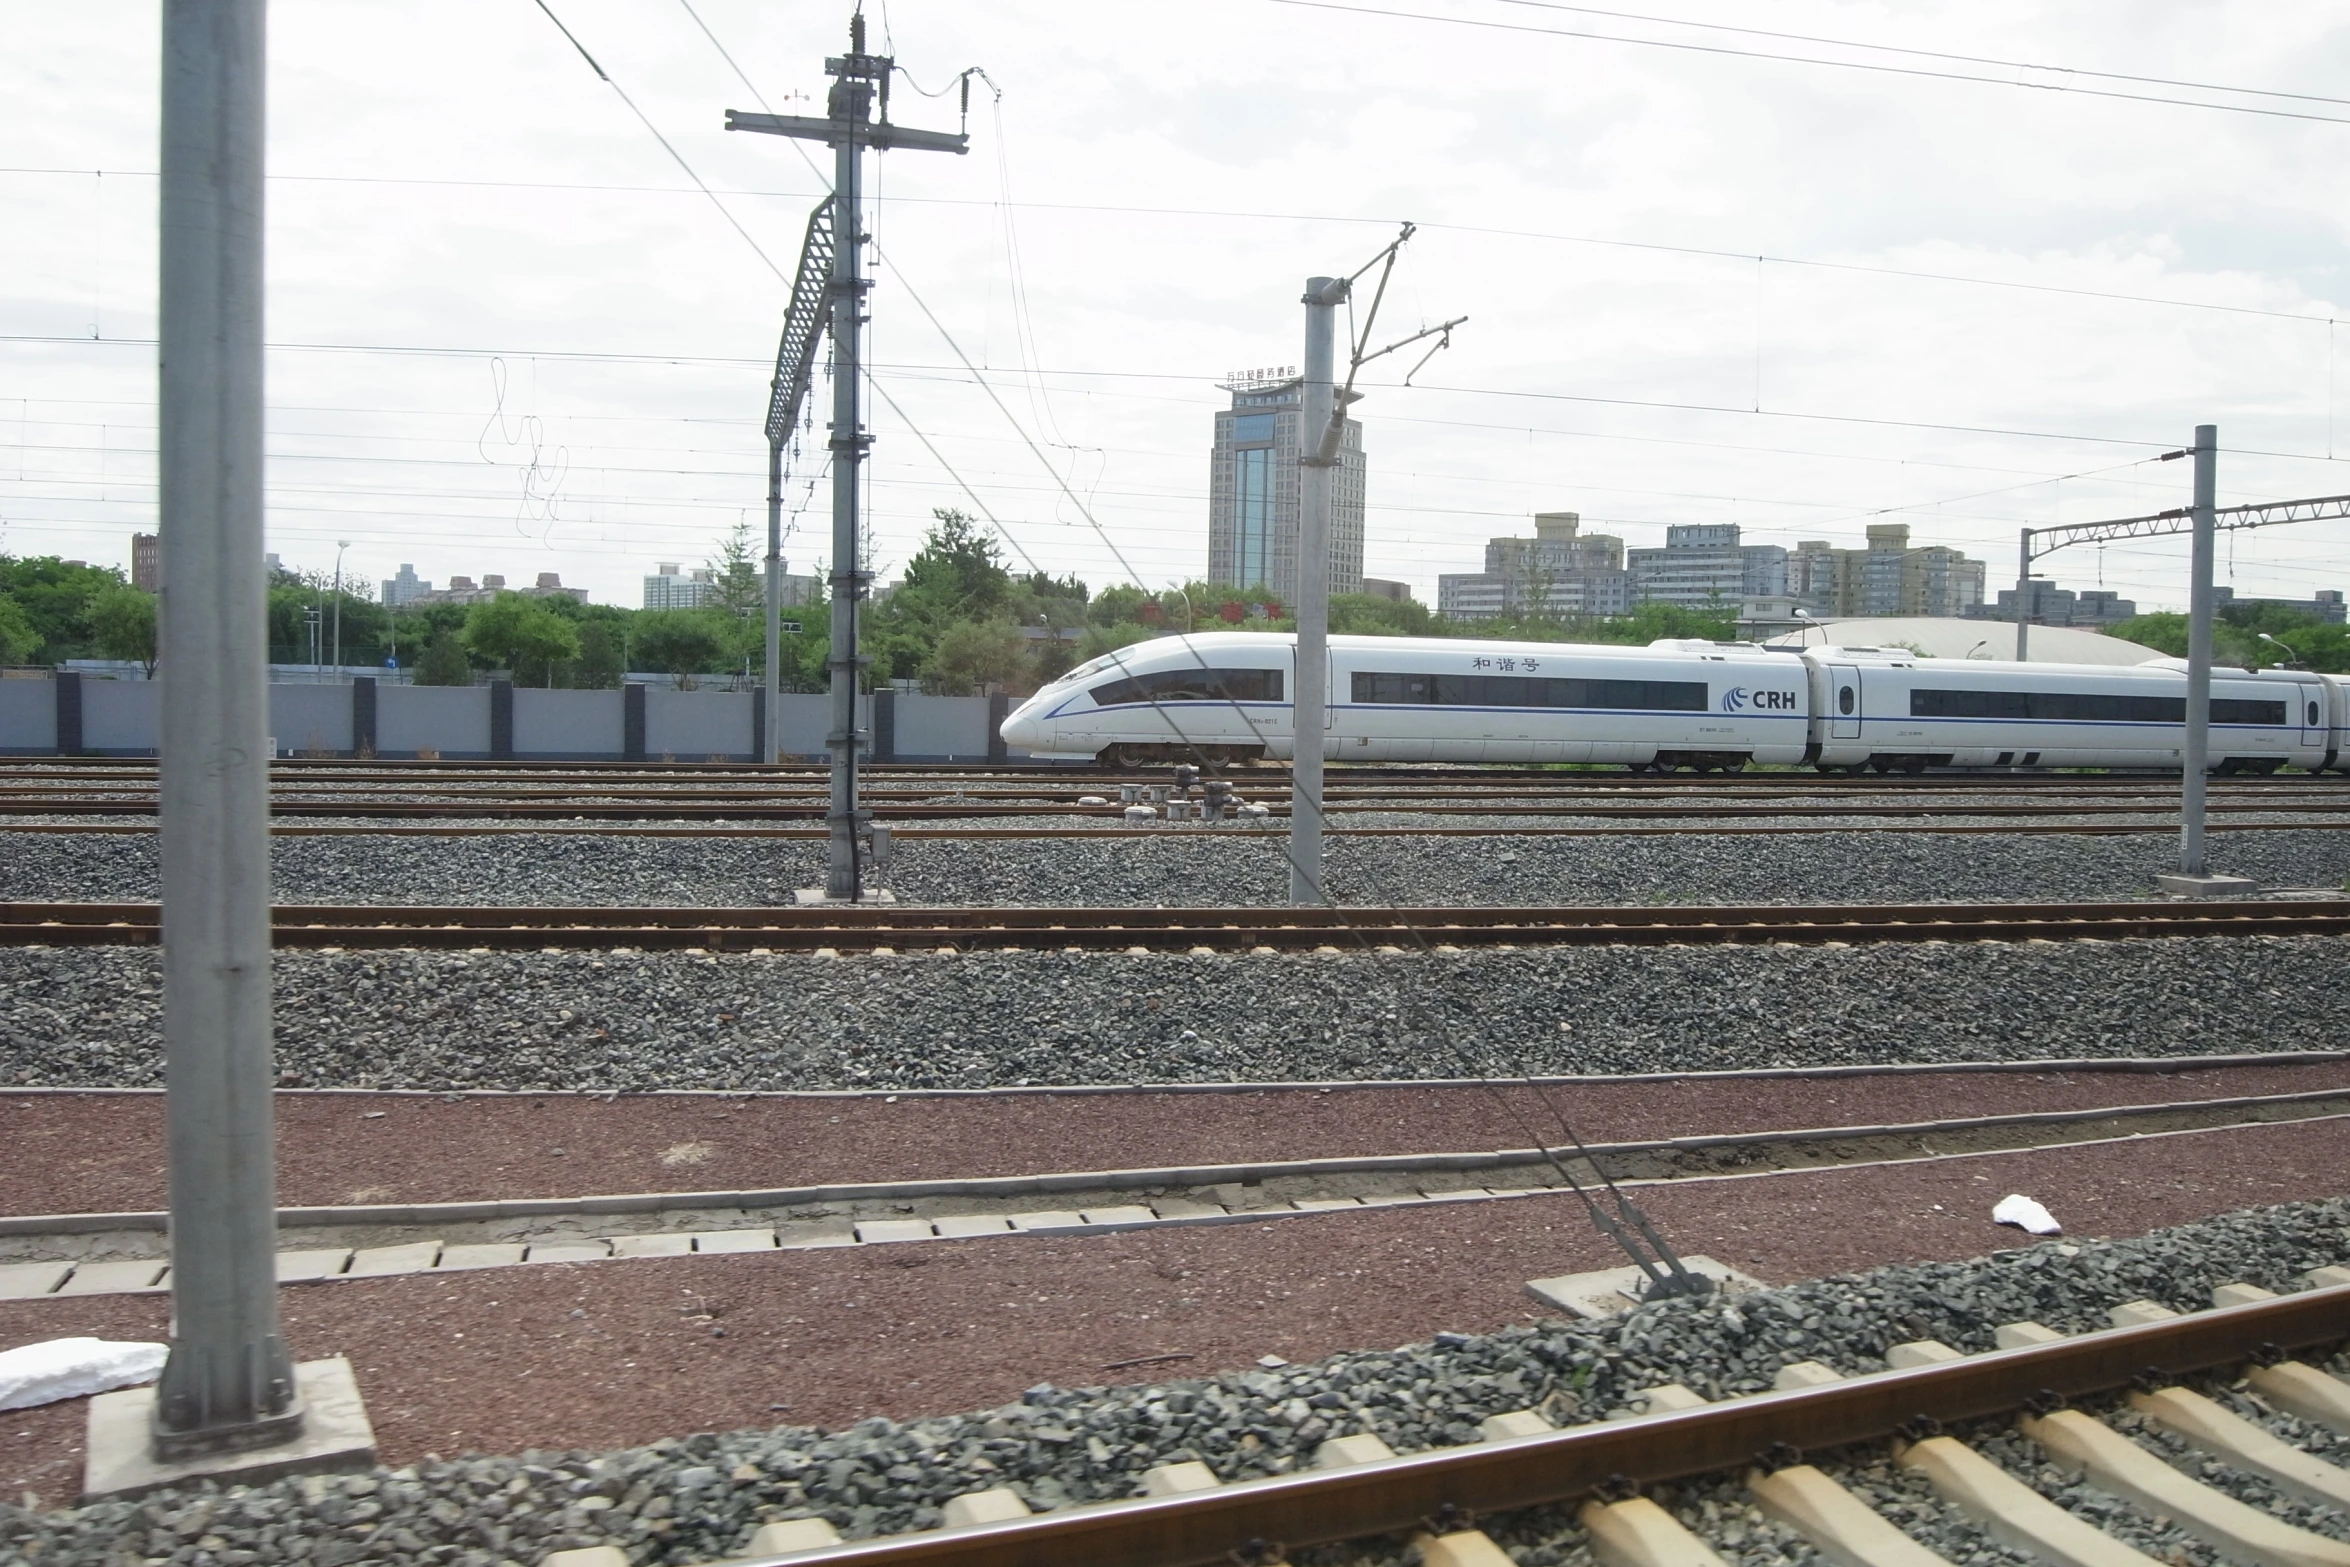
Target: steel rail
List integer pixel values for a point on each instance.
(2249, 1111)
(1400, 1494)
(331, 772)
(454, 829)
(755, 810)
(969, 928)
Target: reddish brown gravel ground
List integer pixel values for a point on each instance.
(104, 1153)
(617, 1353)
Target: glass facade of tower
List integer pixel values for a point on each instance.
(1253, 494)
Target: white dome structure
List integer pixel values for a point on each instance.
(1975, 639)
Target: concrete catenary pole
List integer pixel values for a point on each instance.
(1320, 425)
(2023, 596)
(851, 103)
(773, 694)
(2198, 747)
(228, 1383)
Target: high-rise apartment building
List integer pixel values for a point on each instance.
(1887, 577)
(404, 589)
(1253, 489)
(147, 562)
(1559, 571)
(673, 589)
(1703, 565)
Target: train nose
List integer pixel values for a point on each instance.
(1023, 731)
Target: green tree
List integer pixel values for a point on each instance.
(684, 642)
(122, 625)
(739, 586)
(972, 655)
(55, 597)
(522, 634)
(1370, 615)
(18, 639)
(444, 662)
(600, 663)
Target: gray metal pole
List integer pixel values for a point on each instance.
(2023, 596)
(2198, 747)
(1318, 459)
(228, 1383)
(851, 101)
(773, 697)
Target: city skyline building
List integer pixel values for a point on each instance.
(1253, 489)
(404, 589)
(147, 562)
(1888, 576)
(1705, 565)
(1559, 571)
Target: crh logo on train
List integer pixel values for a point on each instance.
(1738, 699)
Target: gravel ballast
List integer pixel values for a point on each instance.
(697, 1499)
(90, 1017)
(1206, 867)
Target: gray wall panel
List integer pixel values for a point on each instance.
(567, 723)
(28, 716)
(935, 727)
(311, 718)
(122, 715)
(693, 726)
(453, 720)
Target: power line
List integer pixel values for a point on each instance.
(1923, 54)
(1742, 257)
(979, 377)
(1800, 59)
(674, 154)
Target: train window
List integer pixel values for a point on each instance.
(1844, 700)
(1192, 685)
(1672, 696)
(2313, 715)
(2084, 707)
(2239, 710)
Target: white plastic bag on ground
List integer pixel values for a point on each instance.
(70, 1367)
(2025, 1214)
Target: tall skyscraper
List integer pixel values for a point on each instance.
(1252, 489)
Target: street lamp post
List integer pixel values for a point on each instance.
(340, 546)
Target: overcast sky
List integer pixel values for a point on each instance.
(510, 336)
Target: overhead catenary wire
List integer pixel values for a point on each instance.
(1794, 59)
(1923, 54)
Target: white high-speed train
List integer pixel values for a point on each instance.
(1226, 697)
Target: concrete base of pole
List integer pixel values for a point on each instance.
(2175, 884)
(120, 1457)
(1610, 1292)
(805, 897)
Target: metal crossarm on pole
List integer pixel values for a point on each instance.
(861, 81)
(2036, 542)
(795, 368)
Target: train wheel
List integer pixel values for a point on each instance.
(1915, 764)
(1879, 763)
(1133, 757)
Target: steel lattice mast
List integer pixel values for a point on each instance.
(861, 83)
(795, 366)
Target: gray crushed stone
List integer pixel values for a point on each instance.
(1206, 867)
(698, 1498)
(642, 1021)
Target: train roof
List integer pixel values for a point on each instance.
(1204, 642)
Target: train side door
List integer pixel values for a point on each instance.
(1844, 707)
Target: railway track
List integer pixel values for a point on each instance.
(1084, 1202)
(890, 929)
(2034, 1381)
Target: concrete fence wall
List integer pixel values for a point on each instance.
(79, 714)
